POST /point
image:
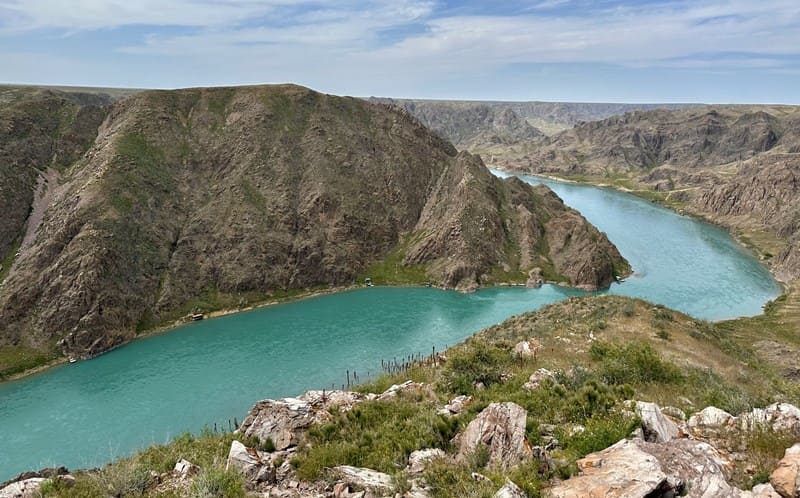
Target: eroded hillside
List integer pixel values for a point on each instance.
(187, 197)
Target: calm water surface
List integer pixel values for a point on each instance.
(208, 372)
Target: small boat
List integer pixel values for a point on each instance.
(72, 359)
(196, 317)
(368, 282)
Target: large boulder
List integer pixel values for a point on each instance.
(786, 476)
(656, 427)
(621, 470)
(418, 460)
(500, 428)
(366, 479)
(284, 421)
(709, 418)
(510, 490)
(637, 468)
(26, 488)
(250, 463)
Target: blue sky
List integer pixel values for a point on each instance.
(569, 50)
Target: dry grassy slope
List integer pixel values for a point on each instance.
(196, 192)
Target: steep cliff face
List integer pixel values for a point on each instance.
(254, 189)
(474, 222)
(38, 130)
(764, 191)
(470, 126)
(737, 165)
(694, 138)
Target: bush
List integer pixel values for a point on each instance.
(446, 480)
(124, 478)
(633, 363)
(217, 483)
(601, 432)
(378, 434)
(477, 361)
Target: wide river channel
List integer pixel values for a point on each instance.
(88, 413)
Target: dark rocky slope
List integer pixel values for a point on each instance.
(737, 165)
(233, 191)
(39, 129)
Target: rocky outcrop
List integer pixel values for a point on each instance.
(537, 377)
(664, 460)
(265, 189)
(455, 406)
(281, 421)
(781, 417)
(657, 470)
(656, 427)
(623, 469)
(285, 421)
(462, 248)
(510, 490)
(365, 479)
(27, 488)
(419, 459)
(710, 417)
(250, 463)
(500, 430)
(785, 479)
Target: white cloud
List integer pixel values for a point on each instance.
(344, 44)
(22, 15)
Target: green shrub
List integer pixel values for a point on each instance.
(633, 363)
(217, 483)
(378, 434)
(446, 480)
(126, 477)
(479, 361)
(600, 433)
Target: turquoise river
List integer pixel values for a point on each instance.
(206, 373)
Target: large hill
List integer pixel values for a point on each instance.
(172, 198)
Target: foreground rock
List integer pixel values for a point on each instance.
(656, 427)
(623, 469)
(366, 479)
(510, 490)
(786, 477)
(250, 463)
(27, 488)
(636, 468)
(500, 430)
(284, 421)
(418, 460)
